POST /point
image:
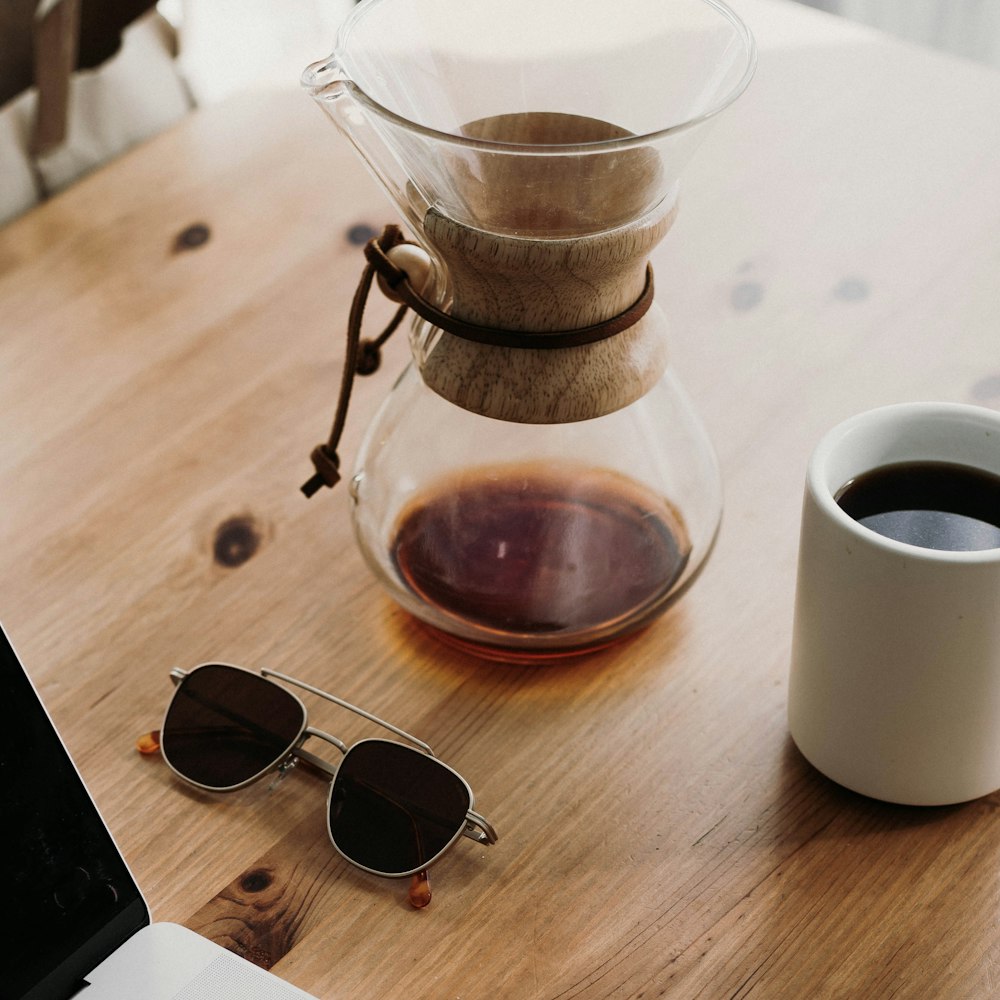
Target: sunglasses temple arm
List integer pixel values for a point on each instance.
(485, 834)
(351, 708)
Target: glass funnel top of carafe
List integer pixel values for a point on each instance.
(534, 148)
(540, 119)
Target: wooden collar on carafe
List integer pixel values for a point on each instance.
(396, 284)
(363, 356)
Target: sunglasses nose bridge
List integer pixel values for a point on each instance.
(319, 692)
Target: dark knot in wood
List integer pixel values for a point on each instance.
(256, 881)
(192, 237)
(236, 540)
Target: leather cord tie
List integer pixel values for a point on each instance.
(364, 356)
(397, 280)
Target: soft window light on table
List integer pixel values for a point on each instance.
(968, 28)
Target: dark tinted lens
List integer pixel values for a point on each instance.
(226, 726)
(393, 809)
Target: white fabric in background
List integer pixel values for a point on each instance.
(130, 98)
(137, 93)
(18, 191)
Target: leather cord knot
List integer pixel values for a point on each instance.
(377, 255)
(327, 464)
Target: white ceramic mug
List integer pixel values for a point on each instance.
(894, 689)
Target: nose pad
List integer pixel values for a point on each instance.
(283, 768)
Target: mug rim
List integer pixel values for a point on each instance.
(885, 417)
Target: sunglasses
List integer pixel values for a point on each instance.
(393, 808)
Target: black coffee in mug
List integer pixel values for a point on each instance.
(936, 505)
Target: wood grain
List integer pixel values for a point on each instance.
(659, 835)
(538, 286)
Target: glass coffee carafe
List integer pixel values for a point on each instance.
(537, 482)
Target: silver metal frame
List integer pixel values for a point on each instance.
(476, 828)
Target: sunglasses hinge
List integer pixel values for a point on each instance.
(485, 834)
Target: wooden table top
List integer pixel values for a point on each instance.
(837, 249)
